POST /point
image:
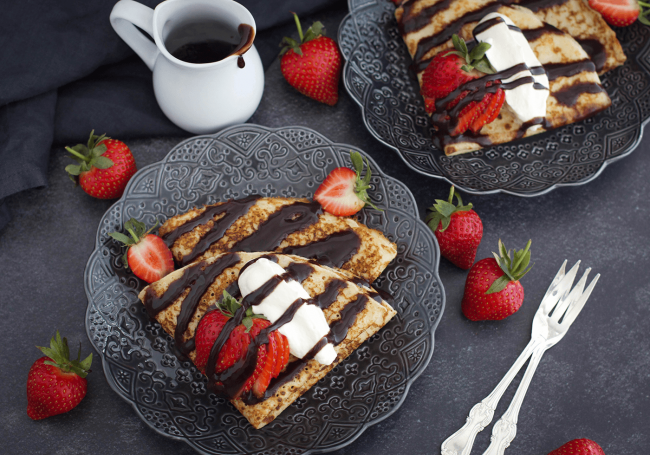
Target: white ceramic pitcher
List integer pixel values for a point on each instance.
(200, 98)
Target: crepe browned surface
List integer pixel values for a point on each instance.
(373, 255)
(551, 46)
(574, 17)
(372, 318)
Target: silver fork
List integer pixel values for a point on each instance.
(547, 331)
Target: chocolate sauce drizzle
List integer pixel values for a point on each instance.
(232, 211)
(230, 381)
(198, 287)
(569, 95)
(198, 278)
(555, 70)
(596, 51)
(447, 120)
(287, 220)
(333, 251)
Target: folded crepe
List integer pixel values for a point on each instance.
(427, 26)
(286, 225)
(353, 310)
(575, 89)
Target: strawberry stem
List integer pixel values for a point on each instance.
(135, 237)
(77, 154)
(295, 17)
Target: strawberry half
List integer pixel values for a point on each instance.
(450, 69)
(344, 192)
(56, 384)
(147, 255)
(619, 13)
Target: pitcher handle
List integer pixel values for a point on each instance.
(126, 14)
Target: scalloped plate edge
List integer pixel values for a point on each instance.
(376, 135)
(409, 382)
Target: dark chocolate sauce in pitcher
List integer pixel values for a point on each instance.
(209, 41)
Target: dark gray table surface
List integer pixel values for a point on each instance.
(594, 384)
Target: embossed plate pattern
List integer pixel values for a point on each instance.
(376, 75)
(170, 394)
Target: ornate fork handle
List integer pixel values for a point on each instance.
(460, 443)
(505, 429)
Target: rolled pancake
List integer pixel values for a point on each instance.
(299, 376)
(258, 224)
(575, 89)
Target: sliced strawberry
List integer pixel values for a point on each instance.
(493, 103)
(467, 117)
(271, 357)
(283, 353)
(456, 100)
(344, 192)
(207, 333)
(265, 367)
(429, 104)
(619, 13)
(147, 255)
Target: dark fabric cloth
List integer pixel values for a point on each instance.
(64, 71)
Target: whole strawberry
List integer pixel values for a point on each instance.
(56, 384)
(313, 66)
(579, 447)
(105, 166)
(492, 290)
(147, 255)
(458, 229)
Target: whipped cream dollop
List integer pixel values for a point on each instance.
(508, 48)
(308, 325)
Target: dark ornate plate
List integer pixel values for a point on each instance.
(170, 394)
(377, 77)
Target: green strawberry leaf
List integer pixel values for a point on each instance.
(499, 284)
(442, 211)
(361, 185)
(99, 150)
(513, 268)
(59, 356)
(125, 239)
(357, 162)
(101, 162)
(484, 66)
(475, 59)
(317, 29)
(73, 169)
(87, 362)
(479, 51)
